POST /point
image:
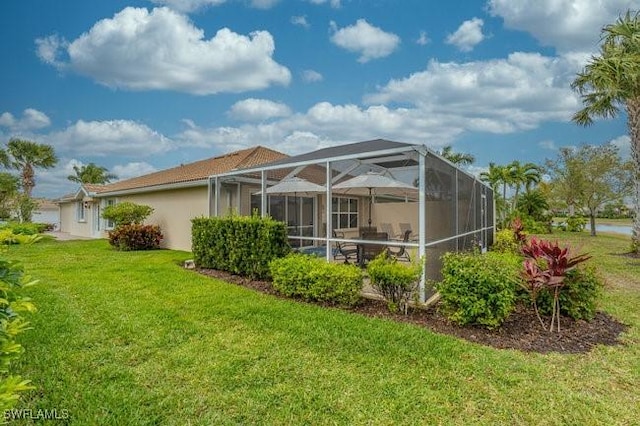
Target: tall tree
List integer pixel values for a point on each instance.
(496, 176)
(592, 176)
(26, 156)
(458, 158)
(523, 175)
(611, 80)
(91, 173)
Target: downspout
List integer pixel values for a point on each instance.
(216, 200)
(209, 197)
(263, 192)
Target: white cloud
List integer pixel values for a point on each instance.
(114, 137)
(188, 5)
(548, 144)
(311, 76)
(50, 48)
(333, 3)
(263, 4)
(325, 124)
(365, 39)
(53, 182)
(567, 25)
(258, 110)
(468, 35)
(422, 39)
(31, 119)
(476, 170)
(163, 50)
(129, 170)
(623, 143)
(499, 96)
(300, 20)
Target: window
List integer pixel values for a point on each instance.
(344, 213)
(109, 224)
(80, 216)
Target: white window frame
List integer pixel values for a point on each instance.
(337, 212)
(81, 211)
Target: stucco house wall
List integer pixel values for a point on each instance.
(69, 220)
(173, 211)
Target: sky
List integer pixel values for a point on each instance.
(140, 86)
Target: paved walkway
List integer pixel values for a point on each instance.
(65, 236)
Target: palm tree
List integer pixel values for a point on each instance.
(496, 176)
(457, 158)
(611, 80)
(523, 175)
(91, 173)
(26, 156)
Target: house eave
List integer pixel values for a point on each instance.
(153, 188)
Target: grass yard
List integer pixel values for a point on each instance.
(132, 338)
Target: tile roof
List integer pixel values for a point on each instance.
(192, 172)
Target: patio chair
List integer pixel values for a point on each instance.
(344, 250)
(404, 227)
(401, 252)
(370, 251)
(388, 228)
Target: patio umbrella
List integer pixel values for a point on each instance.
(367, 182)
(298, 187)
(295, 185)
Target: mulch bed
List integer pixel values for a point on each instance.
(521, 331)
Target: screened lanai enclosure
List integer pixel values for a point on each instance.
(364, 198)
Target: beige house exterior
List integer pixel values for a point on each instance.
(177, 195)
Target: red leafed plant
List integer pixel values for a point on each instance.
(518, 230)
(545, 267)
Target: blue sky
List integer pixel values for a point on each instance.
(138, 86)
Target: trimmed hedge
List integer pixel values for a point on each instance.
(241, 245)
(479, 288)
(314, 279)
(394, 281)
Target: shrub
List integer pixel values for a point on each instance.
(576, 223)
(127, 213)
(135, 237)
(7, 237)
(314, 279)
(394, 281)
(579, 295)
(12, 305)
(506, 242)
(478, 288)
(25, 228)
(242, 245)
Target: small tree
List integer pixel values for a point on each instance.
(127, 213)
(8, 191)
(545, 267)
(591, 176)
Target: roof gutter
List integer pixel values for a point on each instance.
(154, 188)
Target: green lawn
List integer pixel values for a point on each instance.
(131, 338)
